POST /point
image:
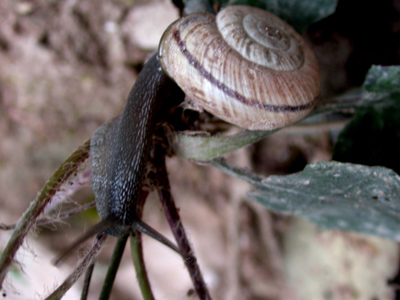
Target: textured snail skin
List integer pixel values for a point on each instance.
(120, 150)
(117, 179)
(229, 74)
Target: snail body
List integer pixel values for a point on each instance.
(120, 179)
(120, 150)
(266, 80)
(245, 66)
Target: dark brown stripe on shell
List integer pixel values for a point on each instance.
(228, 91)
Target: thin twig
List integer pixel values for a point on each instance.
(137, 253)
(7, 227)
(65, 214)
(45, 220)
(86, 282)
(178, 230)
(141, 273)
(36, 207)
(113, 268)
(175, 223)
(79, 270)
(350, 100)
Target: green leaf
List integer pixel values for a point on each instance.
(208, 147)
(333, 195)
(383, 79)
(298, 13)
(373, 136)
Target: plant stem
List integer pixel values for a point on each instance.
(137, 253)
(79, 270)
(86, 282)
(37, 206)
(178, 230)
(175, 223)
(206, 148)
(113, 268)
(138, 261)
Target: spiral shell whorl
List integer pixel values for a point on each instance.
(261, 38)
(279, 91)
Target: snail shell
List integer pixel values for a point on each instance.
(246, 66)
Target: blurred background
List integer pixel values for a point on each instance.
(66, 67)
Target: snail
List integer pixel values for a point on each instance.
(246, 66)
(120, 150)
(213, 62)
